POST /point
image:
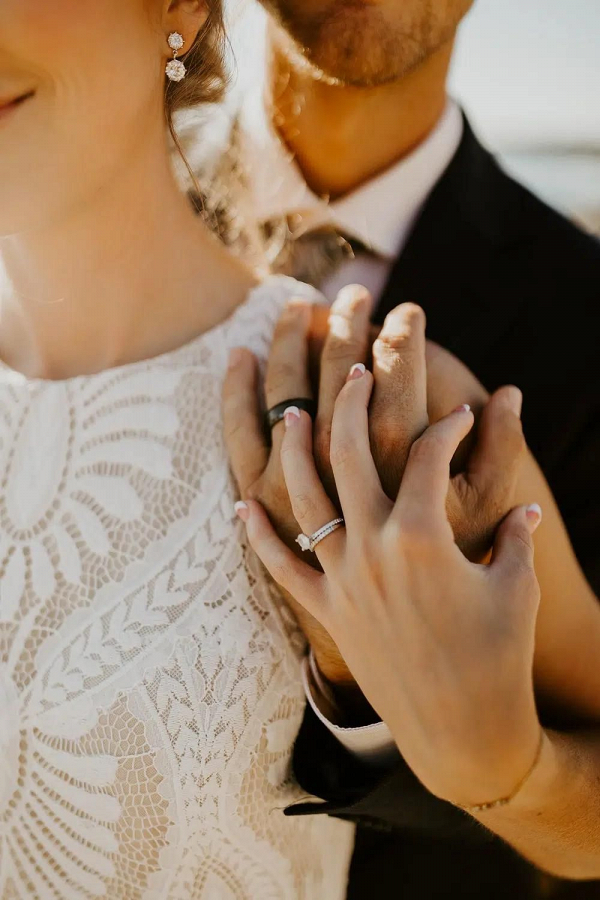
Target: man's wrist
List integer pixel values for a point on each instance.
(342, 701)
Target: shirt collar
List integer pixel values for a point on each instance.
(279, 189)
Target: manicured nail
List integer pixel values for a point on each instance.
(242, 510)
(235, 357)
(534, 516)
(357, 371)
(464, 408)
(291, 416)
(515, 400)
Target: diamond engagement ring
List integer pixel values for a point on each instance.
(309, 542)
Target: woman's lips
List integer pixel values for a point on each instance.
(9, 106)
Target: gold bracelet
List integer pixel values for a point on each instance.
(494, 804)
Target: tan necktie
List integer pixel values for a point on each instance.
(312, 257)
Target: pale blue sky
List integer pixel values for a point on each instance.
(529, 71)
(528, 74)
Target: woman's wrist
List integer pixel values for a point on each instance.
(530, 793)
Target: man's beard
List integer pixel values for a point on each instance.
(343, 50)
(356, 44)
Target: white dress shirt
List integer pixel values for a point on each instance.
(380, 214)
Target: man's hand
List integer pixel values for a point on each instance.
(418, 383)
(404, 402)
(257, 466)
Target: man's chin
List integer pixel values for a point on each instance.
(355, 49)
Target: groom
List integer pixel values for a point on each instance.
(377, 178)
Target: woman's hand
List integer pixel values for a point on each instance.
(415, 382)
(442, 648)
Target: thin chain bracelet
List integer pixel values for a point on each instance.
(494, 804)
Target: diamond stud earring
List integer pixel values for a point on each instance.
(175, 68)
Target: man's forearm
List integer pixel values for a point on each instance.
(555, 820)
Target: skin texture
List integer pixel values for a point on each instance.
(540, 647)
(367, 43)
(467, 732)
(88, 253)
(404, 398)
(347, 117)
(496, 475)
(358, 85)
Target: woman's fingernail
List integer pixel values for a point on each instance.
(357, 371)
(235, 357)
(464, 408)
(291, 416)
(515, 400)
(242, 510)
(534, 516)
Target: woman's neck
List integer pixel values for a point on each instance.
(130, 273)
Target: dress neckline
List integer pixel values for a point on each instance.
(11, 376)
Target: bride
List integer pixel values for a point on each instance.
(149, 679)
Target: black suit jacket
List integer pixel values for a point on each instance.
(513, 289)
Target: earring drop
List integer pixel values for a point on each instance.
(175, 68)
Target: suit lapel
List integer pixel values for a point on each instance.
(455, 264)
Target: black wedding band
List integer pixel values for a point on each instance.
(276, 413)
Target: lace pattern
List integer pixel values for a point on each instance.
(150, 688)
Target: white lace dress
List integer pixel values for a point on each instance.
(150, 690)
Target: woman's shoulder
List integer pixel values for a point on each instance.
(282, 289)
(253, 322)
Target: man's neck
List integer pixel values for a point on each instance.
(343, 136)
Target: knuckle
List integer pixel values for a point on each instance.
(529, 581)
(281, 573)
(517, 441)
(258, 492)
(270, 492)
(512, 428)
(234, 430)
(303, 505)
(342, 451)
(525, 592)
(487, 505)
(415, 534)
(342, 349)
(280, 372)
(532, 588)
(427, 447)
(287, 456)
(523, 539)
(394, 343)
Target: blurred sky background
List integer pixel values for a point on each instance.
(528, 74)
